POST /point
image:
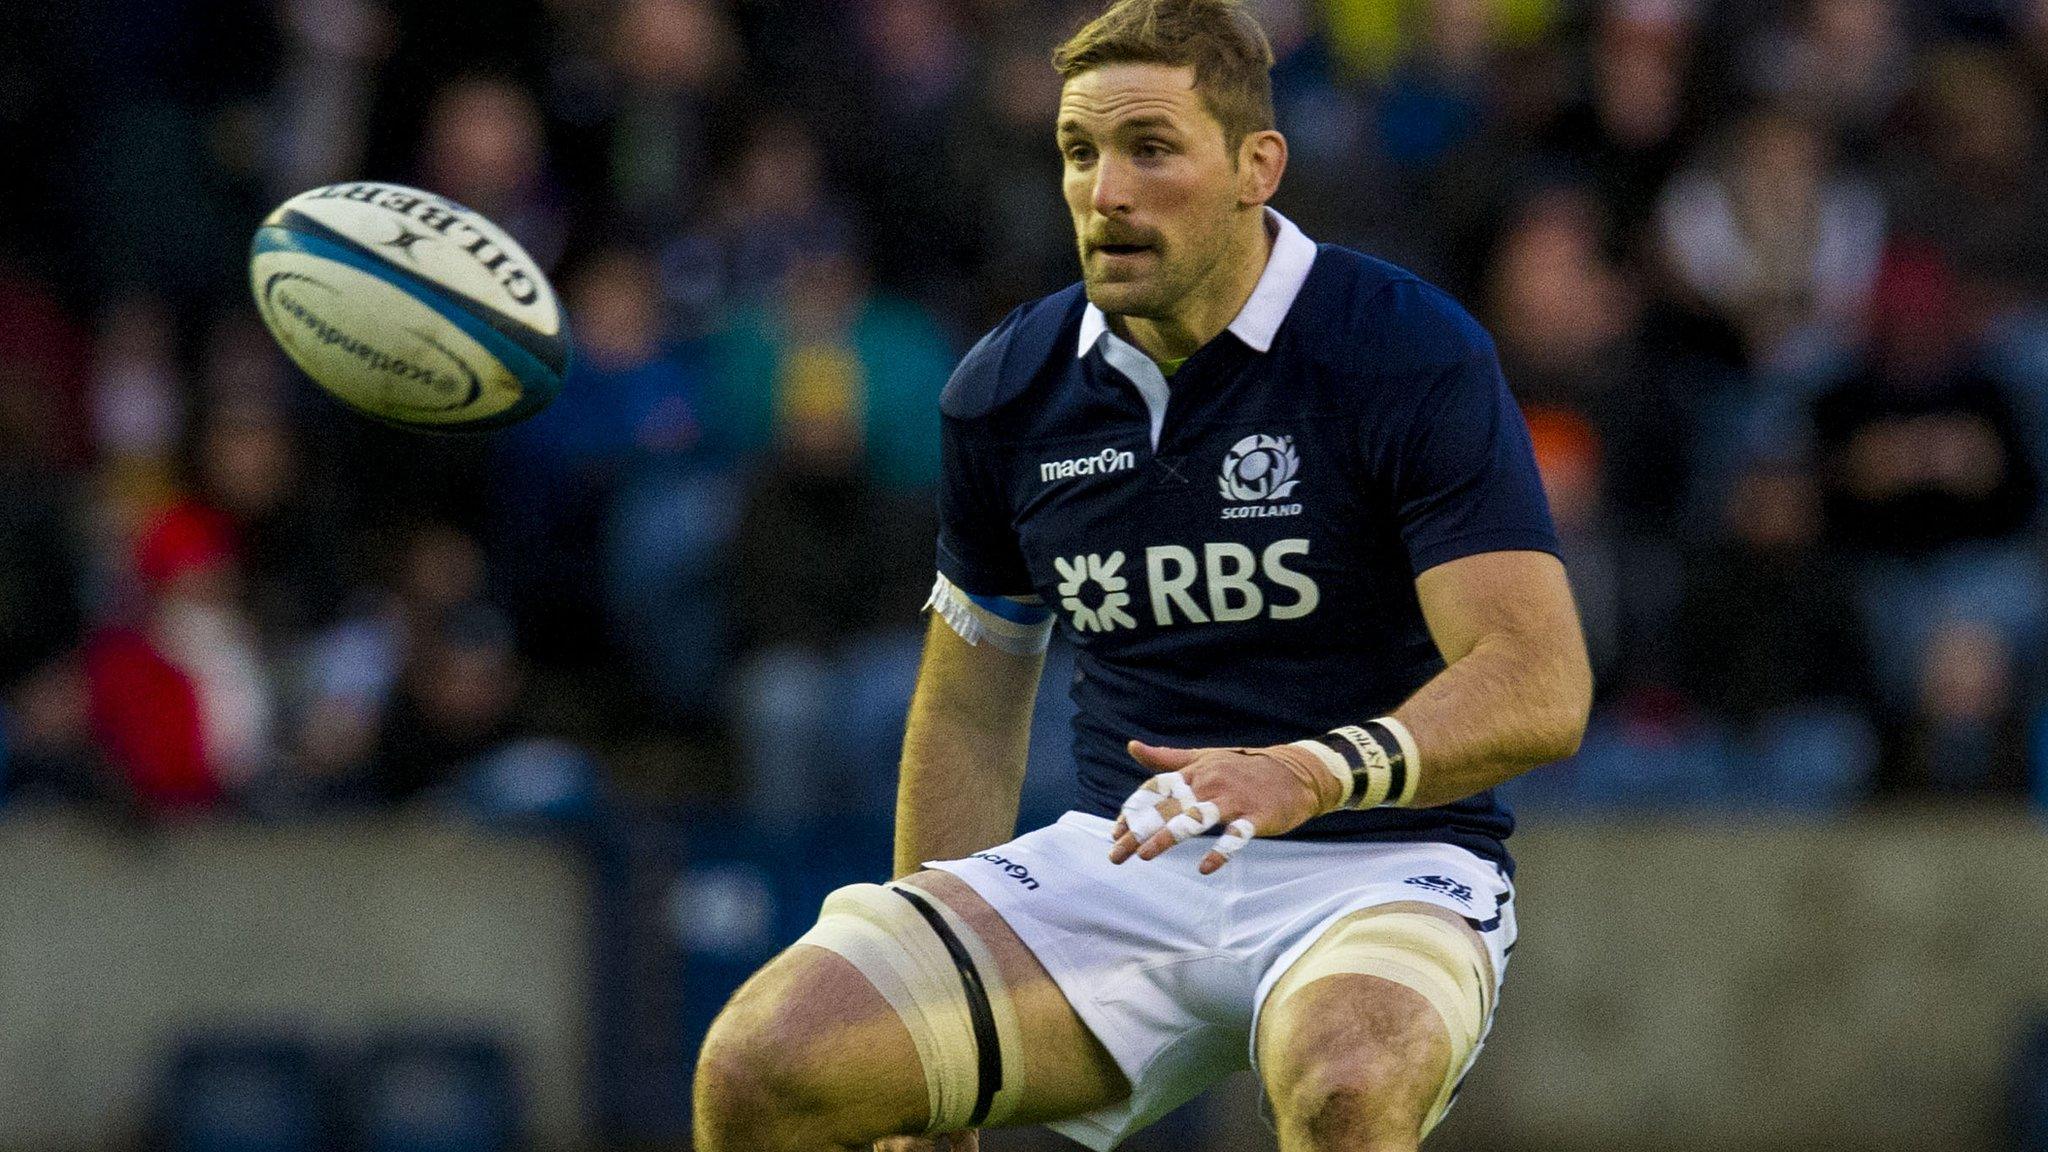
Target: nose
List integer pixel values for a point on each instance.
(1113, 188)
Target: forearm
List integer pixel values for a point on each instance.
(957, 793)
(1503, 708)
(1513, 694)
(964, 752)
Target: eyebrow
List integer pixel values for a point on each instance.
(1146, 123)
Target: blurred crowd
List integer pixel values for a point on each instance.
(1768, 278)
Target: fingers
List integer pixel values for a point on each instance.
(1192, 820)
(1141, 818)
(1236, 835)
(1161, 813)
(1162, 759)
(1165, 811)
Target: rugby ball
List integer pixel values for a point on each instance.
(409, 308)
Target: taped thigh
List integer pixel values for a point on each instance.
(942, 980)
(1426, 954)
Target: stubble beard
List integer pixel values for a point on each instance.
(1159, 295)
(1154, 296)
(1146, 299)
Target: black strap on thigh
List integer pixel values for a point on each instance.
(989, 1050)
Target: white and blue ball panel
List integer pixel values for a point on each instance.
(393, 344)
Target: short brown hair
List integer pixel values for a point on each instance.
(1226, 46)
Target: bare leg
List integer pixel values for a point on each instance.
(808, 1056)
(1354, 1062)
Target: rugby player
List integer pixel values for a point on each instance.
(1279, 498)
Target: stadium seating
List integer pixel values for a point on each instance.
(2029, 1092)
(436, 1093)
(245, 1093)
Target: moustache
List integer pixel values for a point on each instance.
(1121, 238)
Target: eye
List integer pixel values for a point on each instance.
(1152, 149)
(1079, 153)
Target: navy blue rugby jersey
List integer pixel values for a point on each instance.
(1233, 552)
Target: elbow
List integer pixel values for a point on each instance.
(1564, 738)
(1550, 739)
(1560, 723)
(1553, 740)
(1566, 727)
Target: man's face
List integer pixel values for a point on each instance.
(1150, 183)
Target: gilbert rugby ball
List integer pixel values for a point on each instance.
(409, 307)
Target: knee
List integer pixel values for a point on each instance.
(1357, 1102)
(756, 1079)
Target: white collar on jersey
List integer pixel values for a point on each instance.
(1259, 320)
(1256, 324)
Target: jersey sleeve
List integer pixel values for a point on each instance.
(978, 549)
(1466, 481)
(983, 591)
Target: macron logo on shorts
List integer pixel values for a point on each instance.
(1011, 868)
(1462, 893)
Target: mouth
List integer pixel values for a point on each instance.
(1123, 249)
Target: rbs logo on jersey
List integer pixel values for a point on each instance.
(1227, 583)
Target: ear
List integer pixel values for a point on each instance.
(1261, 161)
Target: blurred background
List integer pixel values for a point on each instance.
(361, 790)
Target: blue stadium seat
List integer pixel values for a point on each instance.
(1815, 756)
(532, 782)
(742, 890)
(663, 556)
(2029, 1091)
(437, 1093)
(1623, 766)
(5, 773)
(226, 1093)
(2037, 759)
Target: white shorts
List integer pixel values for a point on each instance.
(1168, 967)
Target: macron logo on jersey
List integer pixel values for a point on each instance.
(1095, 464)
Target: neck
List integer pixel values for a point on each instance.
(1213, 303)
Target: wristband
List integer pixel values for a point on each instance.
(1376, 760)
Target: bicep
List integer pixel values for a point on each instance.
(1516, 596)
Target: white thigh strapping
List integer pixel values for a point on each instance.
(1167, 967)
(886, 936)
(1444, 964)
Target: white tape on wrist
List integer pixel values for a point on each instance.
(1378, 760)
(1374, 774)
(1409, 756)
(1328, 758)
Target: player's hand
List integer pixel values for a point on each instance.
(968, 1141)
(1249, 791)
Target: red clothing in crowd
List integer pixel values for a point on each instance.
(146, 710)
(145, 714)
